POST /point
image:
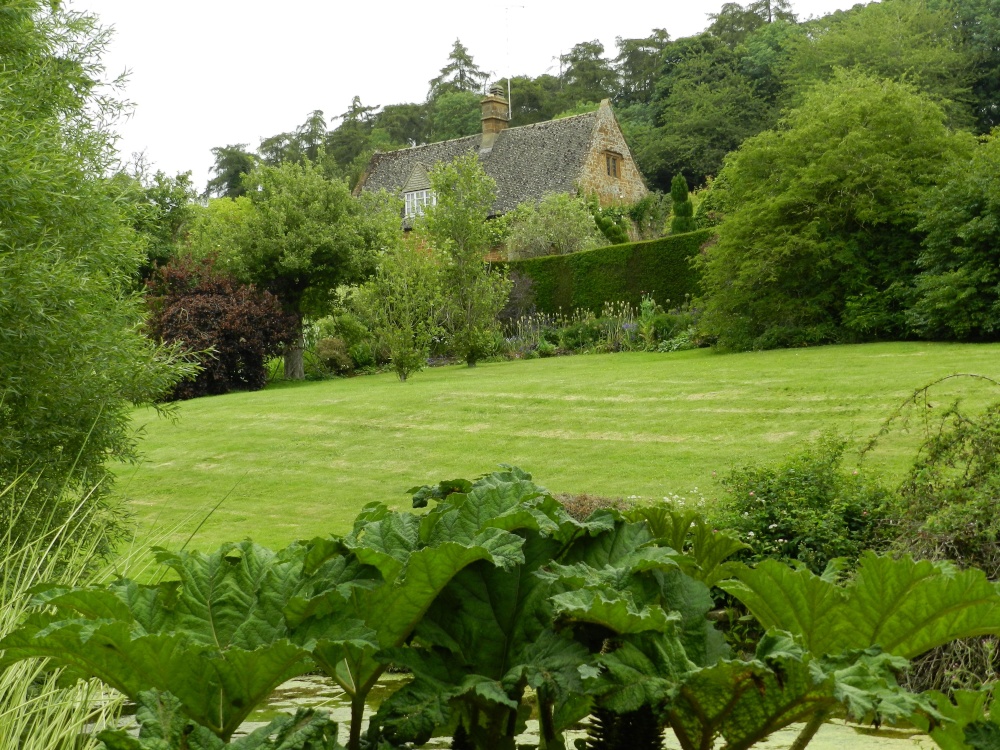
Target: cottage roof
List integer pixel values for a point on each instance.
(527, 161)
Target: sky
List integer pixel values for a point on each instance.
(205, 73)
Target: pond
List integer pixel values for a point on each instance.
(318, 692)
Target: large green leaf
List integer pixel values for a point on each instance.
(686, 530)
(744, 702)
(641, 671)
(163, 726)
(215, 639)
(963, 711)
(903, 606)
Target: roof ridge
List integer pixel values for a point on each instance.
(479, 135)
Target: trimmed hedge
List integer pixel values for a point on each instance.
(619, 273)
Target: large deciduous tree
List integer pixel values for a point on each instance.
(958, 290)
(904, 40)
(73, 360)
(820, 241)
(304, 236)
(456, 227)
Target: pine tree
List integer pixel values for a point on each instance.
(460, 74)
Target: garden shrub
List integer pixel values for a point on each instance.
(621, 273)
(559, 224)
(649, 215)
(948, 511)
(582, 335)
(333, 355)
(807, 510)
(231, 328)
(363, 355)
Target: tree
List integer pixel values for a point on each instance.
(706, 106)
(958, 290)
(73, 360)
(977, 24)
(683, 210)
(231, 164)
(456, 227)
(230, 328)
(216, 230)
(819, 241)
(405, 124)
(905, 40)
(304, 236)
(734, 22)
(587, 76)
(403, 302)
(460, 74)
(532, 99)
(637, 64)
(455, 114)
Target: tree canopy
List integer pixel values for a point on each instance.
(306, 234)
(73, 360)
(819, 240)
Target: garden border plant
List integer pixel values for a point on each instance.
(605, 615)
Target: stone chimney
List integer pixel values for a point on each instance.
(495, 118)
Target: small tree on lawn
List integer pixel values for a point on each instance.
(456, 226)
(304, 237)
(683, 214)
(402, 302)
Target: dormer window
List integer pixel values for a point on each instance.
(613, 162)
(417, 200)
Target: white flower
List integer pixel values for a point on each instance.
(773, 526)
(750, 534)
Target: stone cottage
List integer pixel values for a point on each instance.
(584, 154)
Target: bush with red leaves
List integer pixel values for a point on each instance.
(231, 327)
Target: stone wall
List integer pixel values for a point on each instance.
(628, 186)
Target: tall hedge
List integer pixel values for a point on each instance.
(620, 273)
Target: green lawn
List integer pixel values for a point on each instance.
(300, 460)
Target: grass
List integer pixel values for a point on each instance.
(299, 460)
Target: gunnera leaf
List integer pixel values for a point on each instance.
(903, 606)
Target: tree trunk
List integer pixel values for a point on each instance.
(295, 368)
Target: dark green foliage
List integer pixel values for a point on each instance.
(820, 239)
(808, 510)
(622, 273)
(232, 164)
(612, 225)
(683, 210)
(957, 290)
(635, 730)
(73, 360)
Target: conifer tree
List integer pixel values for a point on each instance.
(683, 213)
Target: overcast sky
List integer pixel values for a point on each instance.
(207, 73)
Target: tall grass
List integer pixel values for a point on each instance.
(39, 710)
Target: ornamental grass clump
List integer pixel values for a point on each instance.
(38, 710)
